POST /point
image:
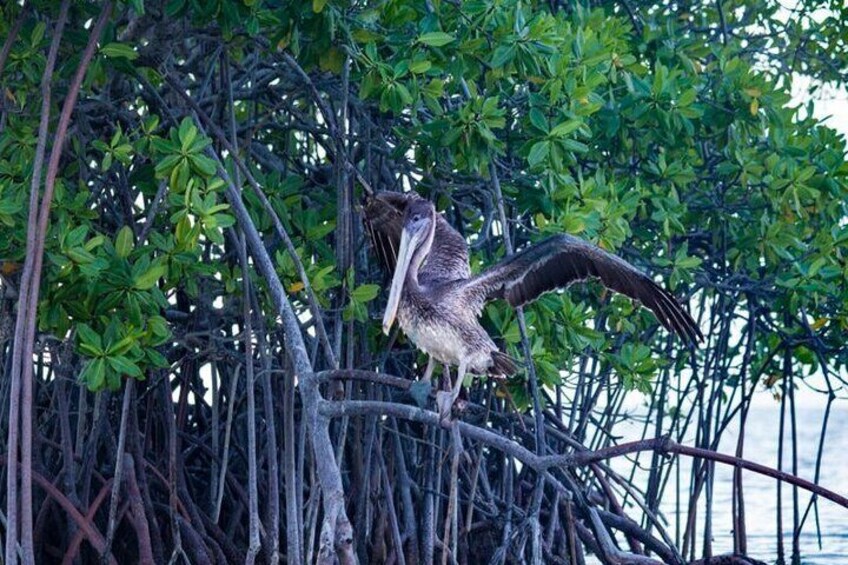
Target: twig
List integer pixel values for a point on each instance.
(392, 512)
(271, 454)
(539, 428)
(337, 534)
(253, 510)
(231, 402)
(79, 536)
(119, 469)
(152, 211)
(145, 550)
(544, 463)
(12, 36)
(294, 477)
(173, 499)
(255, 544)
(722, 22)
(31, 308)
(94, 537)
(21, 369)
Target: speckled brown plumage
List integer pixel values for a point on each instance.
(438, 302)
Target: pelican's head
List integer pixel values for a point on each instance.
(416, 238)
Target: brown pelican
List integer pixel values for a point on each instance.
(438, 302)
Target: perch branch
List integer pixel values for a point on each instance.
(544, 463)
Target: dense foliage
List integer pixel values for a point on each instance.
(662, 131)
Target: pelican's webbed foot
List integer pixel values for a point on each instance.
(420, 392)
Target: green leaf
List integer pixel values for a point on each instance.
(689, 262)
(76, 236)
(38, 33)
(9, 207)
(204, 165)
(187, 133)
(90, 350)
(90, 337)
(148, 279)
(95, 242)
(574, 145)
(318, 5)
(124, 366)
(199, 144)
(213, 209)
(164, 167)
(94, 374)
(687, 97)
(365, 292)
(121, 346)
(156, 358)
(174, 7)
(179, 176)
(119, 50)
(80, 255)
(538, 120)
(403, 92)
(158, 327)
(565, 128)
(539, 152)
(124, 242)
(224, 220)
(134, 309)
(418, 67)
(435, 38)
(512, 333)
(502, 55)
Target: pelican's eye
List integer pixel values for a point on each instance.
(416, 218)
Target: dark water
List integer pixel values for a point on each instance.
(825, 545)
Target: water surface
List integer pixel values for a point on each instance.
(761, 446)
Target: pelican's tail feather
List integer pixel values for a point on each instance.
(502, 365)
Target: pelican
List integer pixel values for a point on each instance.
(437, 301)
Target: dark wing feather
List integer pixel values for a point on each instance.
(561, 260)
(383, 216)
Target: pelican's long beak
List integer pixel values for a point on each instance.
(404, 258)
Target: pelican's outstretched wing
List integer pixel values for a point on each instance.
(383, 217)
(561, 260)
